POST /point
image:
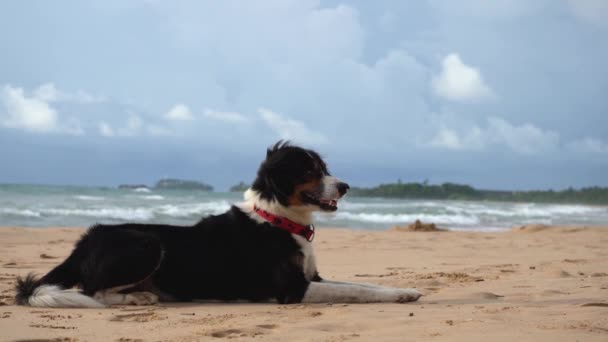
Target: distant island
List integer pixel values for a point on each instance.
(180, 184)
(133, 186)
(170, 184)
(241, 187)
(452, 191)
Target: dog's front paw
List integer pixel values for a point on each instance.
(407, 295)
(142, 298)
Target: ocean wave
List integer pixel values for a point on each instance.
(152, 197)
(19, 212)
(549, 210)
(524, 210)
(89, 198)
(408, 218)
(142, 190)
(138, 214)
(190, 209)
(402, 204)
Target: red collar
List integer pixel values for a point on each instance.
(308, 232)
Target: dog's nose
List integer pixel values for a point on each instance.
(342, 188)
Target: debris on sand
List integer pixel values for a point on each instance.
(419, 227)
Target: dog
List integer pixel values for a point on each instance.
(260, 250)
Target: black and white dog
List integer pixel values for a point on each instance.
(259, 250)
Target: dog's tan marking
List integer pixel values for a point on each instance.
(296, 198)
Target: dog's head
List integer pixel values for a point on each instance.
(297, 178)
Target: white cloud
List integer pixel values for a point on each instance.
(452, 140)
(523, 139)
(34, 112)
(230, 117)
(287, 128)
(31, 113)
(270, 28)
(588, 145)
(490, 10)
(84, 97)
(105, 129)
(156, 130)
(459, 82)
(133, 127)
(179, 112)
(72, 126)
(592, 11)
(48, 92)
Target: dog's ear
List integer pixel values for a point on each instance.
(276, 147)
(268, 188)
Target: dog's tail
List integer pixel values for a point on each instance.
(53, 290)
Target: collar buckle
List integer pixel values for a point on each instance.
(310, 233)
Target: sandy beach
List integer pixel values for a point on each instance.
(535, 283)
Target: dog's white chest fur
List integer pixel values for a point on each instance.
(309, 264)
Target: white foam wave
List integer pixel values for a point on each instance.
(19, 212)
(139, 214)
(153, 197)
(185, 210)
(549, 210)
(142, 190)
(402, 204)
(535, 211)
(90, 198)
(407, 218)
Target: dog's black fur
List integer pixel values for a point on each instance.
(225, 257)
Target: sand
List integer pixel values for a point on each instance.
(535, 284)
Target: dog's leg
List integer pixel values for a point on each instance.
(348, 283)
(113, 297)
(132, 258)
(326, 292)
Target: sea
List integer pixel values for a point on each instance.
(73, 206)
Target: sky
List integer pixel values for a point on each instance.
(504, 94)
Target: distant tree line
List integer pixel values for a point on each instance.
(452, 191)
(171, 184)
(446, 191)
(241, 187)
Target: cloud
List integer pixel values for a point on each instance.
(450, 139)
(459, 82)
(36, 113)
(48, 92)
(105, 129)
(30, 113)
(157, 130)
(592, 11)
(588, 145)
(490, 10)
(230, 117)
(134, 126)
(179, 112)
(265, 31)
(524, 139)
(290, 129)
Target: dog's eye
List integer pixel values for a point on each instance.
(312, 173)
